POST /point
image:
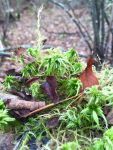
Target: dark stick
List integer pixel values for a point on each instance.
(102, 26)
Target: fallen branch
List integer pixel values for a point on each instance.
(14, 102)
(87, 33)
(51, 105)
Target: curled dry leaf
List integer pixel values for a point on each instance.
(88, 77)
(50, 87)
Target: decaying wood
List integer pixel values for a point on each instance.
(14, 102)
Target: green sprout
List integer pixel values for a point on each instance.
(30, 70)
(73, 86)
(33, 52)
(72, 56)
(104, 143)
(5, 119)
(35, 89)
(55, 64)
(70, 146)
(93, 109)
(10, 82)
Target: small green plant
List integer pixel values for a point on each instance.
(74, 121)
(55, 64)
(70, 118)
(93, 109)
(72, 55)
(10, 82)
(5, 119)
(30, 70)
(73, 58)
(104, 143)
(73, 86)
(106, 76)
(23, 145)
(70, 146)
(34, 52)
(35, 89)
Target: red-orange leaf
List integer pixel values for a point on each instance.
(88, 77)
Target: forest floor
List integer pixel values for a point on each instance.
(56, 26)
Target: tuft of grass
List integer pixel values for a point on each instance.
(5, 119)
(104, 143)
(35, 90)
(10, 82)
(93, 110)
(70, 146)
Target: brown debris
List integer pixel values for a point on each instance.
(14, 102)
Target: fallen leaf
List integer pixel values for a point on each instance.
(88, 77)
(50, 87)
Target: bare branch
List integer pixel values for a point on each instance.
(87, 33)
(74, 20)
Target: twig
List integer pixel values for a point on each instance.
(51, 105)
(88, 35)
(74, 20)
